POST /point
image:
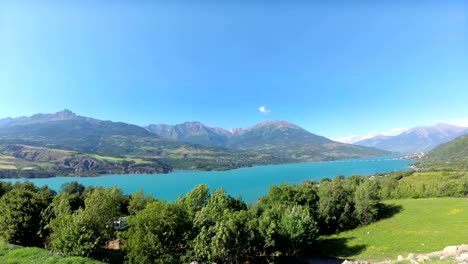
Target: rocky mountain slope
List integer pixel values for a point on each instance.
(68, 144)
(279, 138)
(417, 139)
(192, 132)
(66, 131)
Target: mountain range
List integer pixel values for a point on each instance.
(68, 144)
(278, 138)
(417, 139)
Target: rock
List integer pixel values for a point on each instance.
(194, 262)
(422, 258)
(451, 250)
(410, 256)
(442, 257)
(463, 257)
(463, 248)
(400, 258)
(355, 262)
(435, 254)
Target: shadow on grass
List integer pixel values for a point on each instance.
(388, 210)
(114, 256)
(335, 249)
(325, 251)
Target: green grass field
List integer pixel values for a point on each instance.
(420, 226)
(11, 254)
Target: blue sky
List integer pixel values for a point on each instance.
(352, 67)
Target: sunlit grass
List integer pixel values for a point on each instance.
(12, 254)
(422, 226)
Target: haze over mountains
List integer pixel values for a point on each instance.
(68, 144)
(417, 139)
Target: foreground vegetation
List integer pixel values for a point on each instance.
(204, 226)
(417, 226)
(12, 254)
(305, 220)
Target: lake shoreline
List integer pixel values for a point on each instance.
(92, 175)
(249, 182)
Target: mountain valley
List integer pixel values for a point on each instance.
(116, 147)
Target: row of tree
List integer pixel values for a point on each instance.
(202, 225)
(206, 225)
(426, 184)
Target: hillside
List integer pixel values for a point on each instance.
(77, 137)
(36, 162)
(451, 155)
(417, 139)
(66, 144)
(278, 138)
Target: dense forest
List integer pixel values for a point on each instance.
(206, 225)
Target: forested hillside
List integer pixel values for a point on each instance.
(451, 155)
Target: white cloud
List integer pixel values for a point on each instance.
(463, 122)
(352, 139)
(264, 110)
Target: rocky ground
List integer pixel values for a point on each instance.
(459, 254)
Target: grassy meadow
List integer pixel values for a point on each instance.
(12, 254)
(413, 226)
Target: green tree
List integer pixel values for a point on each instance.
(104, 207)
(20, 218)
(230, 240)
(287, 230)
(92, 226)
(72, 187)
(214, 208)
(304, 194)
(335, 207)
(367, 202)
(75, 234)
(158, 234)
(138, 202)
(196, 199)
(5, 187)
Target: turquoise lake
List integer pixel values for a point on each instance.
(249, 183)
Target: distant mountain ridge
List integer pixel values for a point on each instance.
(42, 118)
(417, 139)
(192, 132)
(69, 144)
(107, 142)
(279, 138)
(198, 133)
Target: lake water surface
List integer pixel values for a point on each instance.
(249, 183)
